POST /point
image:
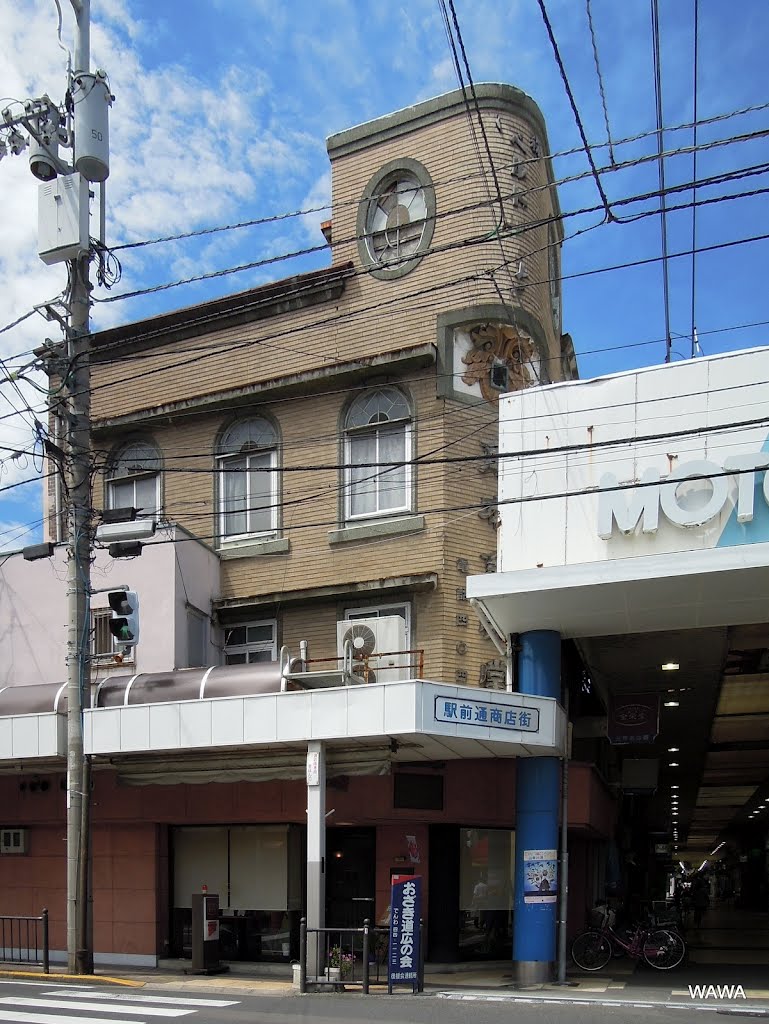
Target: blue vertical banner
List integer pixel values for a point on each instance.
(406, 912)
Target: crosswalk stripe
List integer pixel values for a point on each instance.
(57, 1004)
(181, 1001)
(45, 1018)
(15, 982)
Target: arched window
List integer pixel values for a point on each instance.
(248, 482)
(377, 430)
(133, 479)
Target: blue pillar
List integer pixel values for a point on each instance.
(536, 819)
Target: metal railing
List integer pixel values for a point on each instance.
(24, 940)
(349, 957)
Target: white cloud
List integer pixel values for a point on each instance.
(318, 199)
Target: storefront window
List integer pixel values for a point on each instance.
(252, 868)
(486, 866)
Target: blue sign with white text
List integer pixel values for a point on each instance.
(403, 958)
(486, 713)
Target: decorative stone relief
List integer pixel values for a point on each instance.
(490, 461)
(489, 561)
(494, 345)
(493, 675)
(490, 513)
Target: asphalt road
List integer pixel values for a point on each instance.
(39, 1003)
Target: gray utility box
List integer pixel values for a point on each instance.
(62, 211)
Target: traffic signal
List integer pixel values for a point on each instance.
(124, 624)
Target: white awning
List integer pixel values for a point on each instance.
(413, 720)
(686, 590)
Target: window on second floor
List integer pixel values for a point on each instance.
(251, 642)
(133, 479)
(104, 647)
(248, 480)
(377, 431)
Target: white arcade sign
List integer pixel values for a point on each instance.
(684, 507)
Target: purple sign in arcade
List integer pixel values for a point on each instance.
(403, 959)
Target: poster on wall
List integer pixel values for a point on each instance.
(210, 918)
(403, 957)
(540, 876)
(413, 849)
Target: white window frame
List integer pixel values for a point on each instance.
(378, 610)
(246, 455)
(106, 657)
(375, 431)
(258, 646)
(115, 479)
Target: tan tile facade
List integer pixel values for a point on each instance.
(299, 351)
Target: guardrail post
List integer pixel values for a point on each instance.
(303, 955)
(365, 956)
(46, 957)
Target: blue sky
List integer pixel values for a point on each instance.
(221, 115)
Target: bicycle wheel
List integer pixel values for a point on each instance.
(591, 951)
(663, 949)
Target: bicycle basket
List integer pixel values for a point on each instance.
(602, 917)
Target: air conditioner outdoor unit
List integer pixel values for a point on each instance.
(13, 840)
(378, 647)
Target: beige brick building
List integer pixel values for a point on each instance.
(260, 422)
(314, 452)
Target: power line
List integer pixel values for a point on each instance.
(657, 58)
(335, 318)
(427, 458)
(477, 505)
(694, 178)
(600, 82)
(311, 250)
(532, 189)
(354, 201)
(585, 145)
(501, 223)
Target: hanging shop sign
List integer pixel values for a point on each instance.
(634, 718)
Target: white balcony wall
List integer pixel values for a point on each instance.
(167, 577)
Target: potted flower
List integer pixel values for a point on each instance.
(346, 965)
(340, 963)
(334, 966)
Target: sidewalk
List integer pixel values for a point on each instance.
(623, 983)
(742, 988)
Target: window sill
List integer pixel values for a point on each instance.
(372, 530)
(254, 548)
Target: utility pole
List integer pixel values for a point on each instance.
(78, 480)
(82, 123)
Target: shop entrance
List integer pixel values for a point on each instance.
(350, 876)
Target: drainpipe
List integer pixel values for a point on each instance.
(563, 888)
